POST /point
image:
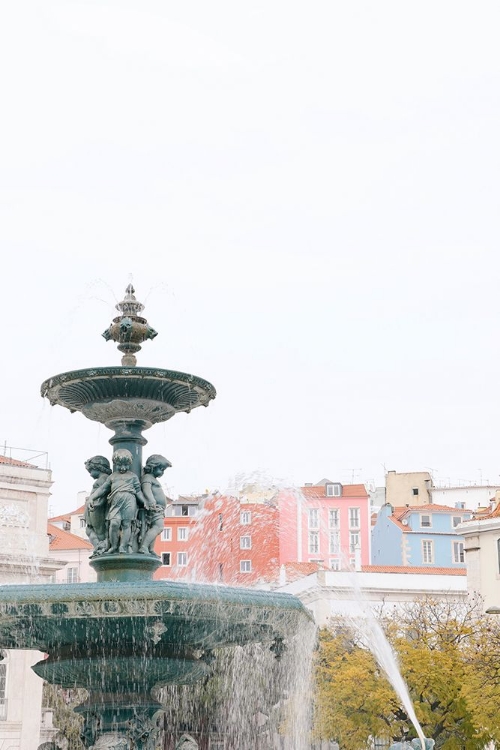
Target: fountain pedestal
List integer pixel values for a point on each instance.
(125, 568)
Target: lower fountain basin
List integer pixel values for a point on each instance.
(140, 634)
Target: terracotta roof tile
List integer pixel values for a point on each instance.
(15, 462)
(296, 570)
(408, 569)
(348, 490)
(60, 539)
(67, 516)
(490, 514)
(398, 523)
(400, 513)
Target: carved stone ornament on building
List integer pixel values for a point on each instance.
(13, 515)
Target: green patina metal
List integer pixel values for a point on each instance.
(126, 634)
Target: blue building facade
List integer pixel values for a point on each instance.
(419, 536)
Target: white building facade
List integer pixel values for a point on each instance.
(370, 592)
(482, 557)
(24, 558)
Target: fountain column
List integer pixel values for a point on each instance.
(128, 435)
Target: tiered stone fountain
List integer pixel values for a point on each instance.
(126, 634)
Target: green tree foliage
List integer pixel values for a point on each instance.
(449, 656)
(68, 723)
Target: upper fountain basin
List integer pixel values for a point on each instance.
(107, 394)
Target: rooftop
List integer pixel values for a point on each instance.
(62, 540)
(348, 490)
(412, 570)
(67, 516)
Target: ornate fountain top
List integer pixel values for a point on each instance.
(129, 330)
(129, 305)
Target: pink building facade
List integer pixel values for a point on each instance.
(327, 523)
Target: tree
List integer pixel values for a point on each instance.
(354, 701)
(448, 653)
(68, 723)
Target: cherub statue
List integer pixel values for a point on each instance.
(123, 493)
(152, 523)
(95, 514)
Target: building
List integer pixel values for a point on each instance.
(175, 544)
(246, 539)
(327, 522)
(422, 535)
(481, 536)
(221, 539)
(374, 590)
(408, 488)
(471, 496)
(76, 553)
(24, 494)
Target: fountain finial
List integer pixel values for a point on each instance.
(129, 330)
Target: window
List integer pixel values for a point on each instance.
(181, 510)
(334, 564)
(427, 551)
(425, 522)
(456, 520)
(165, 558)
(72, 575)
(245, 542)
(333, 518)
(353, 541)
(3, 692)
(498, 554)
(458, 552)
(245, 517)
(166, 534)
(182, 534)
(334, 547)
(354, 518)
(333, 490)
(245, 566)
(313, 542)
(313, 514)
(221, 522)
(415, 491)
(83, 523)
(182, 559)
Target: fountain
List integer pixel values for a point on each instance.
(126, 634)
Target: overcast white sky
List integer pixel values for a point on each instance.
(307, 198)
